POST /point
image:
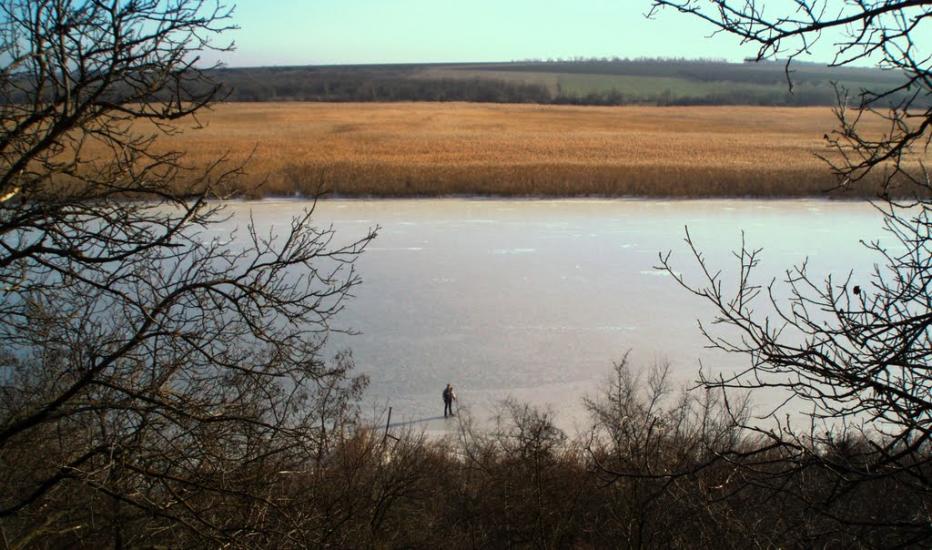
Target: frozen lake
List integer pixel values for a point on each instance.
(536, 298)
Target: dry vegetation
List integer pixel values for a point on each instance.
(658, 469)
(429, 149)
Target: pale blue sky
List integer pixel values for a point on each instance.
(306, 32)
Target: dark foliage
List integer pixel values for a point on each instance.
(414, 83)
(369, 84)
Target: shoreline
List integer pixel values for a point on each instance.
(828, 197)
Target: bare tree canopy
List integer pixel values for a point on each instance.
(879, 32)
(852, 354)
(154, 380)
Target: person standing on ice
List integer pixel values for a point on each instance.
(448, 398)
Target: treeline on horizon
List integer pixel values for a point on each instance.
(763, 84)
(365, 83)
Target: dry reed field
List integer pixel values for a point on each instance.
(430, 149)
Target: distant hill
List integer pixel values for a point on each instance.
(585, 82)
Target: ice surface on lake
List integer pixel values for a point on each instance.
(536, 299)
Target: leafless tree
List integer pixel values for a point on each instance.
(157, 380)
(852, 355)
(649, 444)
(854, 352)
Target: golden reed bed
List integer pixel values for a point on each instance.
(429, 149)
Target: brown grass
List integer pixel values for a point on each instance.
(429, 149)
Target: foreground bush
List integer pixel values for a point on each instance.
(658, 469)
